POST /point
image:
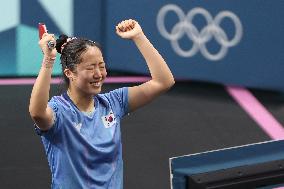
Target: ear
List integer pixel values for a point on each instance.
(68, 73)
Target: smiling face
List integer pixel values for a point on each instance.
(89, 74)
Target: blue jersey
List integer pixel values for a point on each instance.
(84, 150)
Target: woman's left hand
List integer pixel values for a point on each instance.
(129, 29)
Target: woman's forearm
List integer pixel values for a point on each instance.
(159, 70)
(40, 93)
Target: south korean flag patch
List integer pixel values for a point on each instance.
(109, 120)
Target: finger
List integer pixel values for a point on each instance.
(134, 23)
(123, 26)
(48, 37)
(44, 35)
(131, 23)
(117, 29)
(128, 23)
(120, 27)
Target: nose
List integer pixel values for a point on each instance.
(97, 73)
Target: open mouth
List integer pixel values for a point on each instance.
(96, 83)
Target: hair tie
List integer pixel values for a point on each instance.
(67, 41)
(91, 41)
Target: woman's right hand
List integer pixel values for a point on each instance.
(46, 37)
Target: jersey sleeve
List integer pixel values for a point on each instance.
(118, 100)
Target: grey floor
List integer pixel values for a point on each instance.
(190, 118)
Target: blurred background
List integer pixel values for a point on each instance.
(227, 57)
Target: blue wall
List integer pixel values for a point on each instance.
(254, 59)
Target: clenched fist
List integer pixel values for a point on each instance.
(129, 29)
(44, 47)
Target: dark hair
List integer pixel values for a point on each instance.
(70, 55)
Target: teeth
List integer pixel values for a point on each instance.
(96, 84)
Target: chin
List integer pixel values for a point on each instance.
(96, 91)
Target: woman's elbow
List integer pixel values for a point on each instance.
(35, 115)
(170, 82)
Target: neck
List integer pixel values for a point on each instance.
(84, 103)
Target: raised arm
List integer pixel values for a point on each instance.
(162, 78)
(38, 108)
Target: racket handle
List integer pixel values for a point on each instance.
(41, 30)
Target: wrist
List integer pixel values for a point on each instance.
(139, 37)
(48, 62)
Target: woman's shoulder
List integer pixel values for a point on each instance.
(59, 101)
(114, 94)
(115, 98)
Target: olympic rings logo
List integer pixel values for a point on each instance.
(199, 38)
